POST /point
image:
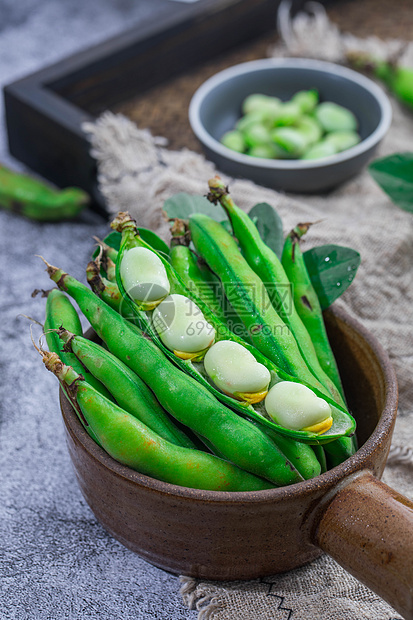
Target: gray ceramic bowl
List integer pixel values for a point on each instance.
(216, 106)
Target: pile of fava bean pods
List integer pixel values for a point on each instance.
(215, 372)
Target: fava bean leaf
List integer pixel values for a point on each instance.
(182, 205)
(113, 240)
(394, 174)
(227, 225)
(269, 225)
(332, 269)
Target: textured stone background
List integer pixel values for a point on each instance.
(56, 561)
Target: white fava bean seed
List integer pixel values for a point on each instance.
(295, 406)
(334, 117)
(181, 325)
(144, 276)
(234, 369)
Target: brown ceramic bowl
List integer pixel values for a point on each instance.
(366, 526)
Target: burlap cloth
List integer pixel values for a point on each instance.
(137, 173)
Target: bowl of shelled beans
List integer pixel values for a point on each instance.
(296, 125)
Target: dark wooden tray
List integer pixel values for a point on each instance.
(150, 73)
(45, 111)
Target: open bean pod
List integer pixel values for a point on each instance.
(343, 423)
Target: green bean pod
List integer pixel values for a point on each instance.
(268, 267)
(110, 269)
(37, 200)
(308, 306)
(132, 443)
(59, 311)
(343, 423)
(398, 79)
(301, 455)
(128, 390)
(232, 320)
(340, 450)
(248, 296)
(180, 395)
(307, 303)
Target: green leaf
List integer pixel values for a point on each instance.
(269, 225)
(113, 239)
(227, 225)
(182, 205)
(394, 174)
(332, 269)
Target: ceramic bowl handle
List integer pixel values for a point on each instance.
(367, 527)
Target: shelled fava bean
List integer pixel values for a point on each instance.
(301, 128)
